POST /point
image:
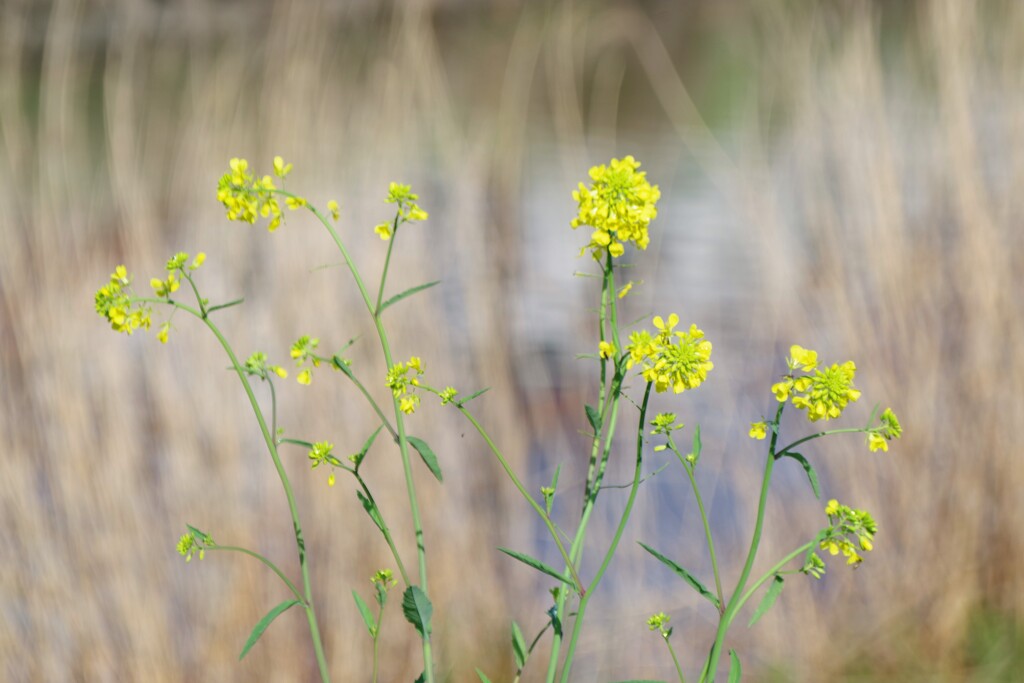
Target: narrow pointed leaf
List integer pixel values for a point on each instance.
(594, 418)
(371, 510)
(298, 442)
(483, 677)
(535, 563)
(264, 623)
(339, 363)
(364, 610)
(417, 609)
(469, 398)
(554, 479)
(429, 459)
(697, 445)
(686, 576)
(812, 476)
(409, 292)
(221, 307)
(768, 600)
(735, 670)
(518, 646)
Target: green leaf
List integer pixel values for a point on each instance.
(483, 676)
(535, 563)
(518, 646)
(469, 398)
(697, 445)
(429, 459)
(339, 363)
(735, 670)
(298, 442)
(768, 600)
(264, 623)
(417, 609)
(554, 479)
(686, 576)
(811, 474)
(366, 447)
(371, 509)
(220, 307)
(594, 418)
(371, 623)
(409, 292)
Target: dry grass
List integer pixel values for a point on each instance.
(860, 197)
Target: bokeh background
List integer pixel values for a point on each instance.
(843, 175)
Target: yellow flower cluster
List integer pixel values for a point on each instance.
(114, 301)
(848, 523)
(191, 543)
(401, 378)
(824, 394)
(888, 429)
(657, 622)
(256, 365)
(619, 205)
(408, 210)
(321, 454)
(302, 351)
(680, 360)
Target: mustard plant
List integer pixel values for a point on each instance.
(617, 207)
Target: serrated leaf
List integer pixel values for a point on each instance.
(409, 292)
(364, 610)
(812, 476)
(371, 510)
(735, 670)
(686, 576)
(469, 398)
(429, 459)
(264, 623)
(417, 609)
(768, 600)
(594, 418)
(697, 444)
(221, 307)
(483, 677)
(535, 563)
(518, 646)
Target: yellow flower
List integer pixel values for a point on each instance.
(162, 334)
(384, 230)
(829, 393)
(758, 430)
(335, 210)
(619, 205)
(197, 261)
(625, 289)
(305, 377)
(802, 358)
(877, 442)
(281, 169)
(408, 403)
(606, 349)
(295, 203)
(781, 389)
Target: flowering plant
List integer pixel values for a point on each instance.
(618, 206)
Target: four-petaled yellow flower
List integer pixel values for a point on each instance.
(758, 430)
(606, 349)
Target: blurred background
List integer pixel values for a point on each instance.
(842, 175)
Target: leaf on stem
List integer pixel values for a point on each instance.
(686, 576)
(594, 418)
(409, 292)
(220, 307)
(812, 476)
(264, 623)
(518, 646)
(429, 459)
(472, 396)
(371, 509)
(768, 600)
(366, 446)
(417, 609)
(697, 445)
(298, 442)
(536, 564)
(483, 677)
(735, 670)
(364, 610)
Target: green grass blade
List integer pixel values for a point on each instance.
(264, 623)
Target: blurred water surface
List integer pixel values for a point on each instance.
(840, 176)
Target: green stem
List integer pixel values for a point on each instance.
(387, 263)
(675, 660)
(708, 674)
(373, 404)
(385, 531)
(818, 435)
(704, 520)
(271, 565)
(538, 508)
(591, 589)
(770, 573)
(376, 642)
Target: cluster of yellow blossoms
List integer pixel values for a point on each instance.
(888, 429)
(619, 205)
(401, 378)
(321, 454)
(247, 197)
(850, 531)
(680, 360)
(408, 210)
(824, 394)
(256, 365)
(194, 542)
(114, 301)
(302, 351)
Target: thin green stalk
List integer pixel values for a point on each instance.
(585, 599)
(271, 565)
(373, 404)
(675, 660)
(376, 642)
(385, 531)
(772, 572)
(725, 620)
(387, 263)
(818, 435)
(285, 483)
(538, 508)
(688, 466)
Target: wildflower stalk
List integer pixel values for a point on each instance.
(675, 660)
(403, 441)
(818, 435)
(585, 599)
(770, 573)
(710, 667)
(268, 437)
